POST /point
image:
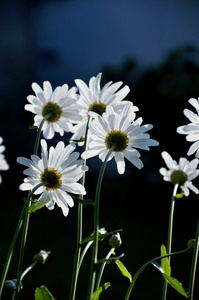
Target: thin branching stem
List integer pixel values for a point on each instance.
(194, 264)
(76, 265)
(96, 227)
(170, 234)
(147, 265)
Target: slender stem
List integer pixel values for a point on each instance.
(102, 268)
(170, 233)
(39, 134)
(96, 228)
(194, 264)
(76, 266)
(148, 264)
(11, 249)
(27, 216)
(28, 269)
(84, 252)
(22, 249)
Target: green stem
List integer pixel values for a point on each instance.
(102, 268)
(22, 249)
(39, 134)
(76, 266)
(170, 232)
(28, 269)
(11, 249)
(194, 264)
(84, 252)
(96, 228)
(148, 264)
(27, 216)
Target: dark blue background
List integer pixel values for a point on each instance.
(152, 47)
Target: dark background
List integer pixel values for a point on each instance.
(153, 48)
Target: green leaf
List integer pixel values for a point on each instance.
(43, 293)
(84, 201)
(111, 259)
(33, 127)
(165, 262)
(180, 195)
(101, 289)
(82, 139)
(101, 236)
(176, 285)
(33, 207)
(123, 269)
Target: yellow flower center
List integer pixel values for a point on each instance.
(116, 139)
(51, 179)
(178, 177)
(97, 107)
(54, 110)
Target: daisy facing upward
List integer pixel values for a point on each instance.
(122, 133)
(58, 171)
(94, 98)
(59, 105)
(182, 173)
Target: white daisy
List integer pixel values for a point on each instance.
(59, 170)
(181, 173)
(94, 98)
(60, 104)
(120, 131)
(3, 163)
(192, 129)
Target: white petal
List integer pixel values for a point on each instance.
(119, 158)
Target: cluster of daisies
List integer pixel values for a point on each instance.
(108, 121)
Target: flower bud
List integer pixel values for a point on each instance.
(191, 244)
(11, 284)
(115, 241)
(41, 256)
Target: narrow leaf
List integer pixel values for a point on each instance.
(100, 236)
(176, 285)
(84, 201)
(31, 127)
(111, 259)
(43, 293)
(33, 207)
(180, 195)
(123, 269)
(101, 289)
(165, 261)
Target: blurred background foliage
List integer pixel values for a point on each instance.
(137, 202)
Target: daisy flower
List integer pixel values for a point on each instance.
(192, 129)
(181, 173)
(60, 104)
(94, 98)
(120, 131)
(58, 170)
(3, 163)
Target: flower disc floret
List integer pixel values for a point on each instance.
(58, 105)
(51, 179)
(122, 133)
(54, 176)
(117, 140)
(52, 109)
(178, 177)
(181, 173)
(94, 98)
(97, 107)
